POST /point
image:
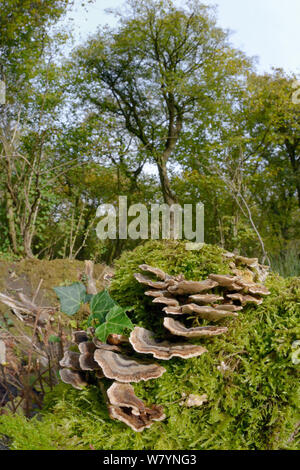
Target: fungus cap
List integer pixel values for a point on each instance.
(226, 281)
(166, 301)
(178, 329)
(143, 341)
(206, 312)
(74, 378)
(122, 395)
(148, 282)
(140, 422)
(70, 360)
(158, 293)
(125, 369)
(205, 298)
(192, 287)
(245, 299)
(158, 272)
(87, 362)
(79, 337)
(173, 310)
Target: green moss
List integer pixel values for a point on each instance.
(253, 404)
(170, 256)
(27, 274)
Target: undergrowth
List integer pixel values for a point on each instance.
(248, 375)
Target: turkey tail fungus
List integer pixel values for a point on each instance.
(213, 299)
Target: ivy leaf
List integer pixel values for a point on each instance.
(88, 298)
(116, 322)
(100, 305)
(71, 297)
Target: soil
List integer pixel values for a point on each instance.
(24, 276)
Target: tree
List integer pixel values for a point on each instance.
(277, 117)
(150, 76)
(31, 103)
(253, 149)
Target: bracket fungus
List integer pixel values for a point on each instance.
(258, 290)
(122, 395)
(258, 270)
(245, 299)
(166, 301)
(87, 347)
(158, 293)
(148, 282)
(173, 310)
(178, 329)
(74, 378)
(206, 312)
(228, 307)
(251, 262)
(226, 281)
(143, 341)
(205, 298)
(87, 362)
(79, 337)
(158, 272)
(128, 408)
(192, 287)
(198, 301)
(213, 299)
(124, 369)
(70, 360)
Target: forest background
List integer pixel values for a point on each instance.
(161, 107)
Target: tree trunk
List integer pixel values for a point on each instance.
(11, 222)
(27, 244)
(168, 195)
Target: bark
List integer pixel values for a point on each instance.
(168, 195)
(27, 244)
(175, 127)
(11, 222)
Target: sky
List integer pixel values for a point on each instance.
(267, 29)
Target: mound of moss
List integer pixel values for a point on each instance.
(248, 375)
(26, 275)
(173, 258)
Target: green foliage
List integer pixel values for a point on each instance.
(286, 263)
(100, 305)
(164, 86)
(175, 260)
(116, 321)
(54, 339)
(71, 297)
(248, 375)
(106, 316)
